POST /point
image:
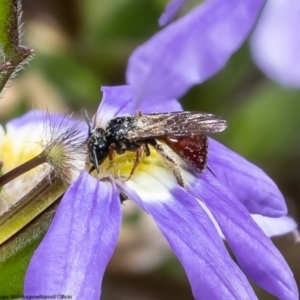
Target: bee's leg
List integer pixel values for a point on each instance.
(139, 113)
(139, 153)
(122, 147)
(172, 164)
(111, 153)
(147, 150)
(123, 197)
(92, 168)
(210, 170)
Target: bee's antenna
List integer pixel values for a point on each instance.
(87, 119)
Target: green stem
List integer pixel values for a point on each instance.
(30, 206)
(12, 53)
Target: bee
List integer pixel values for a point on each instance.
(184, 132)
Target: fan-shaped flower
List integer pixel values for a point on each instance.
(86, 226)
(73, 256)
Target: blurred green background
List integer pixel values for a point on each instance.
(81, 45)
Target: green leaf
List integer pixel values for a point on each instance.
(16, 253)
(21, 229)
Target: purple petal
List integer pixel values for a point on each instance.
(40, 119)
(120, 101)
(275, 226)
(116, 101)
(190, 50)
(249, 183)
(270, 226)
(265, 265)
(195, 241)
(32, 117)
(275, 42)
(171, 11)
(76, 249)
(45, 126)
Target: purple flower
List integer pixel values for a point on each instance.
(275, 43)
(73, 256)
(191, 49)
(75, 251)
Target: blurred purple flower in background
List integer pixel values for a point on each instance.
(73, 256)
(275, 43)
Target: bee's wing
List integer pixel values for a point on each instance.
(176, 124)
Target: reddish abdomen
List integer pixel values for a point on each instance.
(192, 149)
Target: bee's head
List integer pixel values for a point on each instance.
(96, 142)
(98, 147)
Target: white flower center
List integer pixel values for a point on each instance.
(152, 179)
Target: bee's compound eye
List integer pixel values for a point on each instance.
(98, 147)
(101, 149)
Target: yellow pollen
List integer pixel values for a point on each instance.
(122, 165)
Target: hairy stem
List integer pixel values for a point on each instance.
(12, 54)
